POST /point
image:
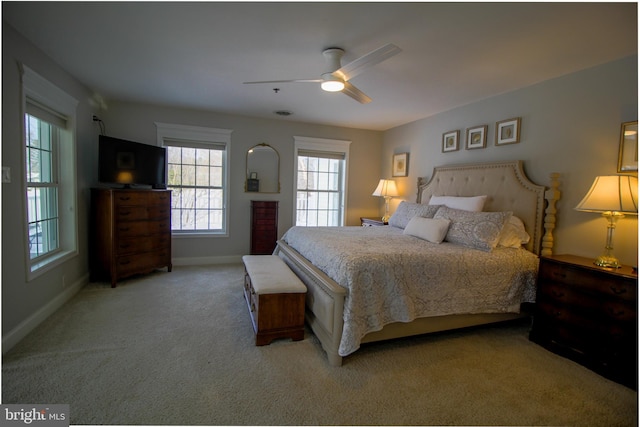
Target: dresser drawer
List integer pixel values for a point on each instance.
(134, 245)
(595, 282)
(140, 263)
(130, 198)
(125, 230)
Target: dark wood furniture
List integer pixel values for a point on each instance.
(372, 222)
(275, 298)
(588, 314)
(130, 232)
(264, 227)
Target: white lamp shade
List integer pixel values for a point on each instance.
(615, 193)
(386, 188)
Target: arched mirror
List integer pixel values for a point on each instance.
(263, 169)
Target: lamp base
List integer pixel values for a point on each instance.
(607, 261)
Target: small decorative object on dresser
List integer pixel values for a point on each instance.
(588, 314)
(372, 222)
(130, 232)
(264, 227)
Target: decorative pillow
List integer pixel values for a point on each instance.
(514, 234)
(407, 210)
(473, 204)
(430, 229)
(477, 230)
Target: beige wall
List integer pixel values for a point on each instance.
(32, 301)
(136, 122)
(570, 125)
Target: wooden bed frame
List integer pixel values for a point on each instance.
(507, 188)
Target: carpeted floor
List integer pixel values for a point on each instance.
(177, 348)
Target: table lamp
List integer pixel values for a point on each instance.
(613, 197)
(386, 188)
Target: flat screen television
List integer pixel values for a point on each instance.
(131, 164)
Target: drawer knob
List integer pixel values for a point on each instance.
(559, 274)
(618, 291)
(557, 294)
(616, 313)
(124, 213)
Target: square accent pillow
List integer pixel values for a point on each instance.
(477, 230)
(430, 229)
(473, 204)
(407, 210)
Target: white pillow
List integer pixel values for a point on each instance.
(407, 210)
(514, 234)
(472, 204)
(429, 229)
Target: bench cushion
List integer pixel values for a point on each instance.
(270, 275)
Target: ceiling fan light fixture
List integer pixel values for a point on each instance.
(332, 84)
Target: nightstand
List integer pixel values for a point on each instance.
(588, 314)
(371, 222)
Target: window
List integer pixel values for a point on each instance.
(198, 176)
(42, 186)
(49, 174)
(321, 179)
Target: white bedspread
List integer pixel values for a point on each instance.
(392, 277)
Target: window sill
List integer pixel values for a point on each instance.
(197, 234)
(38, 268)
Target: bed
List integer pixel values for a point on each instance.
(367, 284)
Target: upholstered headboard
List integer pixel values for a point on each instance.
(507, 189)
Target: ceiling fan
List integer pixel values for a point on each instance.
(336, 77)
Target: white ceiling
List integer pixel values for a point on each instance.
(198, 55)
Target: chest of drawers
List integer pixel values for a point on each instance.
(131, 232)
(588, 314)
(264, 227)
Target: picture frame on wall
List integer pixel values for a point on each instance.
(400, 165)
(450, 141)
(477, 137)
(508, 131)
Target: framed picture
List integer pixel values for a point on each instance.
(477, 137)
(508, 131)
(450, 141)
(400, 165)
(628, 151)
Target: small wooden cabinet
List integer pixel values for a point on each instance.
(372, 222)
(588, 314)
(264, 227)
(130, 232)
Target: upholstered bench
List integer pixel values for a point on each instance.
(275, 297)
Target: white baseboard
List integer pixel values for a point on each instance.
(19, 332)
(233, 259)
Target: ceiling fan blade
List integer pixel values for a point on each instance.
(354, 68)
(285, 81)
(355, 93)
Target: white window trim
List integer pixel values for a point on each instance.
(322, 144)
(39, 89)
(203, 135)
